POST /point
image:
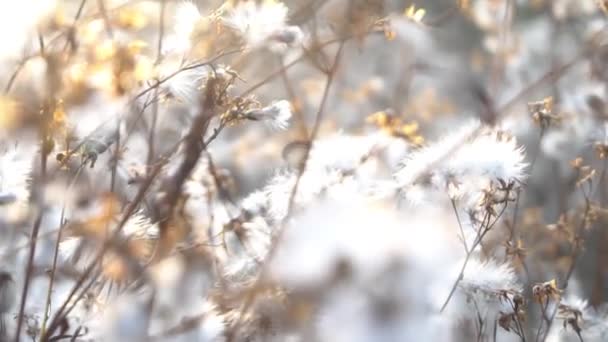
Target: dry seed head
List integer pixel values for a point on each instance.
(543, 292)
(542, 112)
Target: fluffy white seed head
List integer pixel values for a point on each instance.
(276, 114)
(257, 22)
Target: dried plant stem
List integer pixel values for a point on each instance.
(128, 212)
(481, 233)
(152, 129)
(72, 28)
(296, 61)
(577, 250)
(499, 62)
(28, 273)
(300, 119)
(47, 110)
(193, 147)
(155, 104)
(462, 236)
(249, 300)
(115, 159)
(106, 19)
(191, 66)
(14, 75)
(161, 30)
(62, 223)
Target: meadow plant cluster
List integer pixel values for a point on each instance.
(303, 170)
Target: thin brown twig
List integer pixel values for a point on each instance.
(575, 255)
(128, 212)
(481, 232)
(278, 235)
(62, 224)
(106, 19)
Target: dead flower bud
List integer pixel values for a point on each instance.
(542, 292)
(516, 250)
(601, 149)
(576, 163)
(542, 112)
(571, 317)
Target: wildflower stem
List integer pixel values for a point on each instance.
(483, 230)
(152, 128)
(192, 152)
(44, 136)
(128, 212)
(161, 29)
(455, 285)
(62, 224)
(72, 28)
(301, 121)
(462, 236)
(302, 167)
(106, 19)
(577, 249)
